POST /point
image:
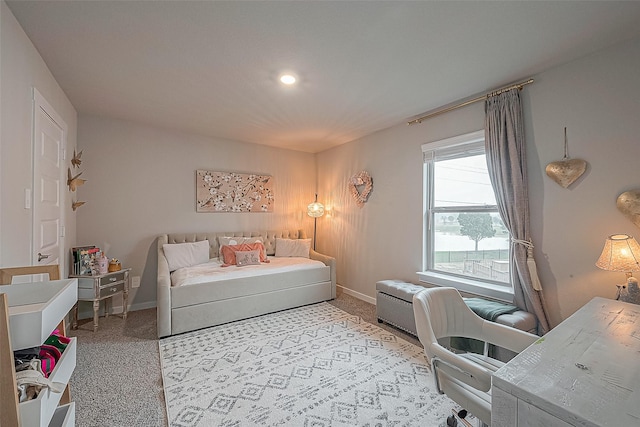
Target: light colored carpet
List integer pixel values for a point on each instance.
(310, 366)
(117, 381)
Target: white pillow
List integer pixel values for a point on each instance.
(293, 247)
(186, 254)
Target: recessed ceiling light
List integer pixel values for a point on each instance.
(288, 79)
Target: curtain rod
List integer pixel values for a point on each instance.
(471, 101)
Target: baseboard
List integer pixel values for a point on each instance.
(358, 295)
(142, 306)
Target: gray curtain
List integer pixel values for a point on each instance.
(507, 163)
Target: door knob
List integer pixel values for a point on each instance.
(41, 257)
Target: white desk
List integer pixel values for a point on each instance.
(585, 372)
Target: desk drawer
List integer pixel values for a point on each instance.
(112, 278)
(110, 290)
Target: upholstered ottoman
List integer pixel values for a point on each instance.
(394, 304)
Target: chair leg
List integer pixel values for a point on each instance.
(453, 421)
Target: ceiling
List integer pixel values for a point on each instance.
(211, 67)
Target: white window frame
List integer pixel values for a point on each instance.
(469, 143)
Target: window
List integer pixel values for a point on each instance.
(466, 244)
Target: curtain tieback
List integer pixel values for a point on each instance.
(531, 263)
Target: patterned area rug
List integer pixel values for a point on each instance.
(310, 366)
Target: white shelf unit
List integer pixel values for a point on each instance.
(32, 312)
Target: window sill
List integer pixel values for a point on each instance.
(497, 292)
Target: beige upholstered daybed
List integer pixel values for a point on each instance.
(203, 293)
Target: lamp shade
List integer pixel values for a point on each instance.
(621, 253)
(315, 209)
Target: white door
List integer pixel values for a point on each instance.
(49, 140)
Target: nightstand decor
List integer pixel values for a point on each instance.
(621, 252)
(114, 265)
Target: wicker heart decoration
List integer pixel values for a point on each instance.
(565, 172)
(629, 204)
(359, 180)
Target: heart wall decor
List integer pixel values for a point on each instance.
(566, 171)
(360, 186)
(629, 204)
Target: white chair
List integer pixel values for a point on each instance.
(465, 378)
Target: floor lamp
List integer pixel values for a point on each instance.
(315, 210)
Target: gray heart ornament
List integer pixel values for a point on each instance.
(565, 172)
(629, 204)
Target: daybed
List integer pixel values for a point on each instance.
(237, 292)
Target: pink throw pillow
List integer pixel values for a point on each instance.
(228, 252)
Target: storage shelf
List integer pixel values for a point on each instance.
(38, 412)
(30, 312)
(36, 308)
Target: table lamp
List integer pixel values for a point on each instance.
(622, 253)
(315, 210)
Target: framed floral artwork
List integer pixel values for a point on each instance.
(233, 192)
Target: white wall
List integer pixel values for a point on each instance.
(597, 98)
(381, 240)
(22, 69)
(141, 183)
